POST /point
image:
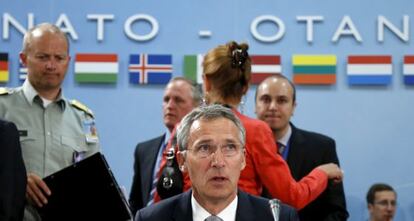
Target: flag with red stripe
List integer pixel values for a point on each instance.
(4, 67)
(96, 68)
(150, 68)
(264, 66)
(408, 69)
(369, 69)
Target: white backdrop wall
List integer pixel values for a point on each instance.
(372, 125)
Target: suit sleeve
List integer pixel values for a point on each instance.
(135, 197)
(264, 166)
(12, 174)
(335, 196)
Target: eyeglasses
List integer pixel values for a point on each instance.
(385, 203)
(205, 150)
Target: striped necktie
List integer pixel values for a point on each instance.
(281, 148)
(157, 172)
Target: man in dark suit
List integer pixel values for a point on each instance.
(211, 143)
(180, 97)
(303, 150)
(12, 174)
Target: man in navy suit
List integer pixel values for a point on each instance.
(180, 97)
(303, 150)
(12, 174)
(211, 143)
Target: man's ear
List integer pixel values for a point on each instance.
(181, 161)
(243, 160)
(23, 58)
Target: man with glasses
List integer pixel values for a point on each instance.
(211, 144)
(382, 201)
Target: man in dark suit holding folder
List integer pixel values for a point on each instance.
(211, 143)
(12, 174)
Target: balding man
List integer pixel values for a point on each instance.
(54, 132)
(302, 150)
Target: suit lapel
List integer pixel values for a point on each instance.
(297, 152)
(148, 158)
(245, 211)
(183, 211)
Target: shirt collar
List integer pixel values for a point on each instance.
(167, 136)
(30, 94)
(227, 214)
(285, 139)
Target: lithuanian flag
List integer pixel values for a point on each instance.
(314, 69)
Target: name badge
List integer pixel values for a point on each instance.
(23, 133)
(89, 129)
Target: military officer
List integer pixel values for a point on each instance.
(54, 132)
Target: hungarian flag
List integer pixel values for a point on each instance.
(408, 69)
(314, 69)
(264, 66)
(22, 71)
(193, 68)
(4, 67)
(150, 68)
(96, 68)
(369, 69)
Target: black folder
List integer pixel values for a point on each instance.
(86, 190)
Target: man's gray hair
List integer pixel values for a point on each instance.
(195, 89)
(207, 113)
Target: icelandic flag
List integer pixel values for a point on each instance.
(369, 69)
(150, 68)
(408, 69)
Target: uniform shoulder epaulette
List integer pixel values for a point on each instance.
(78, 105)
(5, 91)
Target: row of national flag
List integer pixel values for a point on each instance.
(158, 69)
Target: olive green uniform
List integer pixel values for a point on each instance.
(52, 137)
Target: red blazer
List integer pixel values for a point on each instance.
(264, 167)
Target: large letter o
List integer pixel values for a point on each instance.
(265, 18)
(151, 20)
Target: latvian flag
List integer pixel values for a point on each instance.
(264, 66)
(96, 68)
(314, 69)
(150, 68)
(193, 68)
(408, 69)
(369, 69)
(4, 67)
(22, 71)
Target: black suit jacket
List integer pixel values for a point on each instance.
(12, 174)
(308, 150)
(145, 156)
(249, 208)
